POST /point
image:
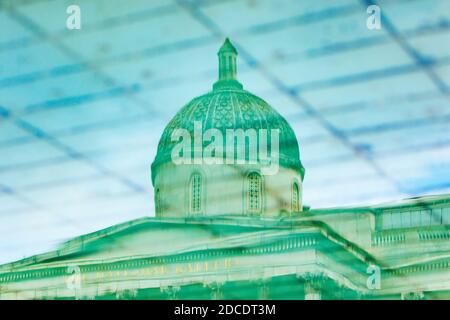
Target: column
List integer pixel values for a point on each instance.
(171, 292)
(215, 288)
(312, 285)
(263, 289)
(311, 291)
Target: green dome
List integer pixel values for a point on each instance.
(228, 106)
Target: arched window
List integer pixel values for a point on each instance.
(295, 197)
(196, 193)
(158, 202)
(254, 193)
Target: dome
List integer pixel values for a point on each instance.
(247, 137)
(229, 106)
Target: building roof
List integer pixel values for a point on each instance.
(424, 201)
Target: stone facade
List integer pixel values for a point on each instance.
(230, 232)
(319, 254)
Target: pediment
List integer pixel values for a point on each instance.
(143, 237)
(150, 237)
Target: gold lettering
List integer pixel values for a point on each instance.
(228, 263)
(178, 269)
(163, 269)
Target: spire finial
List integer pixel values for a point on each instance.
(227, 66)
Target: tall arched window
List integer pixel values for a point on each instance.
(295, 197)
(158, 202)
(254, 193)
(196, 193)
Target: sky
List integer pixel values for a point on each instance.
(82, 110)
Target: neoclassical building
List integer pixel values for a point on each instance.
(230, 224)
